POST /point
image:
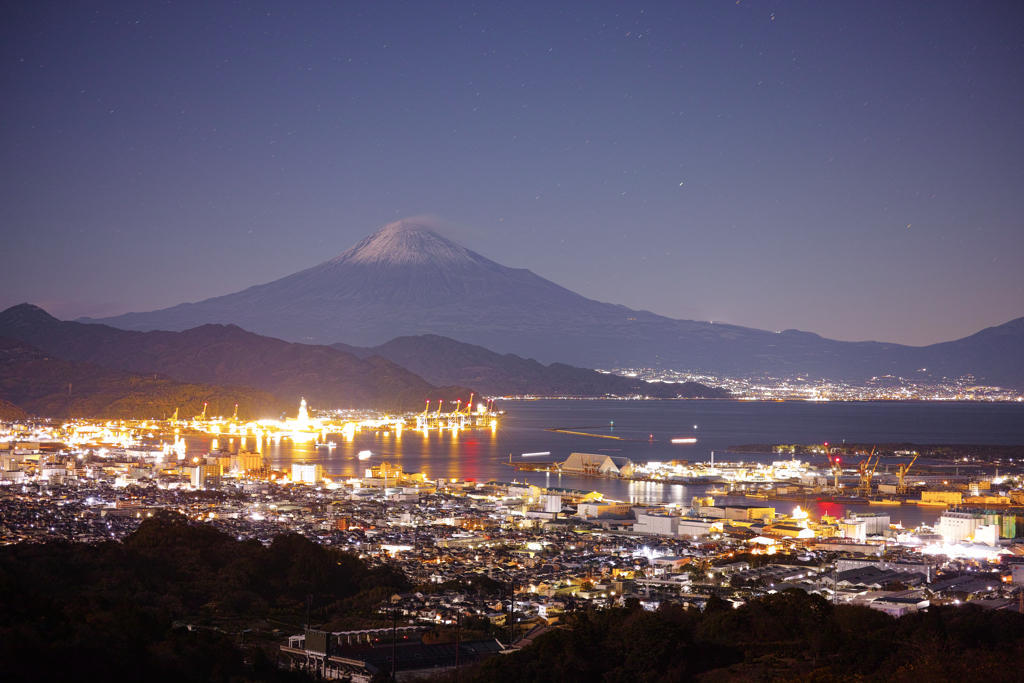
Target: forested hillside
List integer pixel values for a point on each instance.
(46, 386)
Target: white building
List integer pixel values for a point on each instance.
(957, 526)
(853, 528)
(602, 508)
(307, 472)
(657, 522)
(692, 526)
(987, 534)
(875, 523)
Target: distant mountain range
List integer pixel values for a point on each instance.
(406, 280)
(39, 384)
(347, 377)
(446, 361)
(226, 355)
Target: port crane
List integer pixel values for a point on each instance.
(459, 418)
(901, 476)
(837, 469)
(866, 472)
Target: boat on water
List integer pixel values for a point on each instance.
(718, 492)
(885, 501)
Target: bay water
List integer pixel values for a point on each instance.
(645, 430)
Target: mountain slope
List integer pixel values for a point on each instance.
(228, 355)
(994, 354)
(10, 412)
(406, 280)
(50, 387)
(445, 361)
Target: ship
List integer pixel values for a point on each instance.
(885, 501)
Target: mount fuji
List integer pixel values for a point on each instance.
(407, 280)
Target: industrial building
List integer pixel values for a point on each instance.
(598, 465)
(307, 473)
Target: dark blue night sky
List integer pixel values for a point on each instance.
(854, 169)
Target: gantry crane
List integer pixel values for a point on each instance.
(901, 477)
(866, 472)
(837, 468)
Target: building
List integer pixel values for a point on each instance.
(749, 512)
(898, 606)
(598, 465)
(602, 508)
(853, 528)
(947, 497)
(1008, 526)
(845, 564)
(697, 526)
(307, 472)
(205, 475)
(987, 534)
(359, 655)
(245, 461)
(552, 502)
(655, 521)
(875, 523)
(710, 511)
(958, 526)
(788, 531)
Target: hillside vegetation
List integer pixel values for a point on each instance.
(446, 361)
(118, 612)
(228, 356)
(789, 636)
(10, 412)
(109, 611)
(46, 386)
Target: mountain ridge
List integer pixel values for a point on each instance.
(228, 355)
(39, 384)
(447, 361)
(407, 280)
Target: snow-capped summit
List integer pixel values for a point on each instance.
(406, 242)
(406, 279)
